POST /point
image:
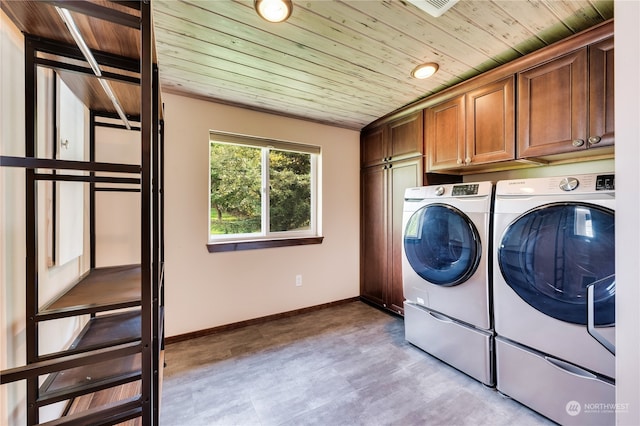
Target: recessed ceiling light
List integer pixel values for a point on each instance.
(273, 10)
(424, 70)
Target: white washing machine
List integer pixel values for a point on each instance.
(446, 280)
(554, 296)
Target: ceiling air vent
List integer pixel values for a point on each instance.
(434, 7)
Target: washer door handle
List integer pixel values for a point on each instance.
(591, 328)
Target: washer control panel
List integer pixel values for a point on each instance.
(569, 183)
(468, 189)
(475, 190)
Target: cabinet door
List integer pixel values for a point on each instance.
(372, 147)
(444, 129)
(406, 137)
(601, 100)
(401, 175)
(373, 237)
(491, 120)
(552, 106)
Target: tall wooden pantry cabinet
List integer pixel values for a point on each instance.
(391, 162)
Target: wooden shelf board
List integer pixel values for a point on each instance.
(101, 289)
(107, 396)
(109, 329)
(90, 378)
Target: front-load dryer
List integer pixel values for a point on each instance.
(446, 280)
(554, 295)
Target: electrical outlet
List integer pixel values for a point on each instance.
(298, 280)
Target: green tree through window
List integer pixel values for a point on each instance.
(235, 189)
(260, 191)
(290, 194)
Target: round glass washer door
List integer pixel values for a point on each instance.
(551, 254)
(442, 245)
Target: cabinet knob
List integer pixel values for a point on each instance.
(594, 140)
(577, 142)
(467, 161)
(459, 161)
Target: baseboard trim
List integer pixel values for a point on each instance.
(380, 308)
(206, 332)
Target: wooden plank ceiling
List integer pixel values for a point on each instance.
(347, 63)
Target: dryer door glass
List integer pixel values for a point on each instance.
(442, 245)
(550, 255)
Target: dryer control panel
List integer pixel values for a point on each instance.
(573, 184)
(605, 183)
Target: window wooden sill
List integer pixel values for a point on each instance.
(262, 244)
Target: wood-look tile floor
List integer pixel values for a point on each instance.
(345, 365)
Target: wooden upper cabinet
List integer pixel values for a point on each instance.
(567, 105)
(601, 99)
(373, 146)
(396, 140)
(491, 123)
(444, 134)
(472, 129)
(406, 137)
(552, 106)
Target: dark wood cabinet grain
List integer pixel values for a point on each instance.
(373, 147)
(396, 140)
(405, 137)
(566, 105)
(404, 174)
(381, 230)
(392, 160)
(490, 120)
(552, 105)
(444, 134)
(373, 235)
(601, 94)
(474, 128)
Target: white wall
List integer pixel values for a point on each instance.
(205, 290)
(627, 69)
(58, 334)
(12, 249)
(117, 213)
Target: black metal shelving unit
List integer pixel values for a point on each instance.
(123, 337)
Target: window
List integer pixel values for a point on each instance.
(261, 190)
